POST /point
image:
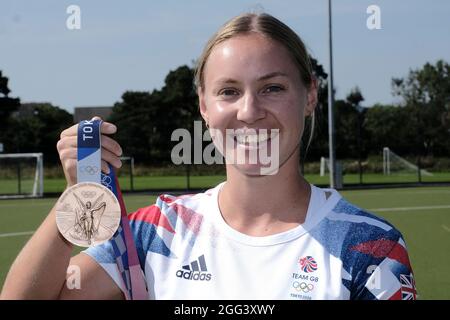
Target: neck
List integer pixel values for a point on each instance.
(262, 205)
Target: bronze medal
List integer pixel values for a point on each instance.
(87, 214)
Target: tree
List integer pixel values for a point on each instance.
(136, 119)
(154, 116)
(36, 128)
(355, 97)
(319, 144)
(426, 97)
(7, 105)
(349, 126)
(50, 121)
(387, 126)
(4, 85)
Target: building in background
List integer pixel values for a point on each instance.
(86, 113)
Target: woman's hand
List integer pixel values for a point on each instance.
(67, 149)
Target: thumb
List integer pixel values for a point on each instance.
(107, 127)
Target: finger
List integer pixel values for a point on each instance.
(72, 131)
(111, 145)
(105, 167)
(68, 153)
(69, 157)
(67, 142)
(111, 158)
(107, 143)
(71, 169)
(106, 127)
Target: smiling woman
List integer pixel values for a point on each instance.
(252, 84)
(255, 88)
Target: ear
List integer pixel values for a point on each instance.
(312, 97)
(202, 104)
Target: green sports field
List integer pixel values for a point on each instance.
(421, 214)
(53, 185)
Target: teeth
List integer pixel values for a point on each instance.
(274, 133)
(263, 137)
(253, 138)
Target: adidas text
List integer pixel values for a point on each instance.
(194, 275)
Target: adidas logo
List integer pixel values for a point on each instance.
(196, 270)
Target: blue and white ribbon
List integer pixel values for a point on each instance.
(89, 152)
(89, 170)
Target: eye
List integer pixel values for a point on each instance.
(228, 92)
(273, 88)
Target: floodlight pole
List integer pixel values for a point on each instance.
(332, 153)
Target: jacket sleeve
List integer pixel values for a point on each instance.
(387, 272)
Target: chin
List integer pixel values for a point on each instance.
(254, 164)
(256, 170)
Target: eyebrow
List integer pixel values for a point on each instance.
(265, 77)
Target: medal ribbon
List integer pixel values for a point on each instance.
(89, 170)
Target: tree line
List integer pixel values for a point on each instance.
(417, 126)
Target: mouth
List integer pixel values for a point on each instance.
(255, 139)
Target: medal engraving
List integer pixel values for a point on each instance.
(87, 214)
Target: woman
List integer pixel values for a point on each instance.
(258, 235)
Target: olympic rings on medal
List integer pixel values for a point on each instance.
(106, 181)
(90, 169)
(88, 194)
(302, 286)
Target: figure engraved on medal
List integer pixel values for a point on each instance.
(87, 219)
(87, 214)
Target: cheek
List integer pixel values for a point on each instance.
(291, 114)
(219, 113)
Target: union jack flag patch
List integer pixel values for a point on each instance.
(408, 287)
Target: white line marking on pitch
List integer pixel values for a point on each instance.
(15, 234)
(410, 208)
(34, 204)
(399, 192)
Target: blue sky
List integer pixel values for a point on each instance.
(132, 45)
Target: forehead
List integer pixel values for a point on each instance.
(248, 56)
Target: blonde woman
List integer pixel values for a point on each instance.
(254, 236)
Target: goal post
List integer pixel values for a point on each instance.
(325, 169)
(21, 175)
(393, 163)
(128, 169)
(324, 166)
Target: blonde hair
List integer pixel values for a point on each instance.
(268, 26)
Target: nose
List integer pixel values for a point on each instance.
(251, 109)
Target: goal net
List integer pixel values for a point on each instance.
(21, 175)
(394, 164)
